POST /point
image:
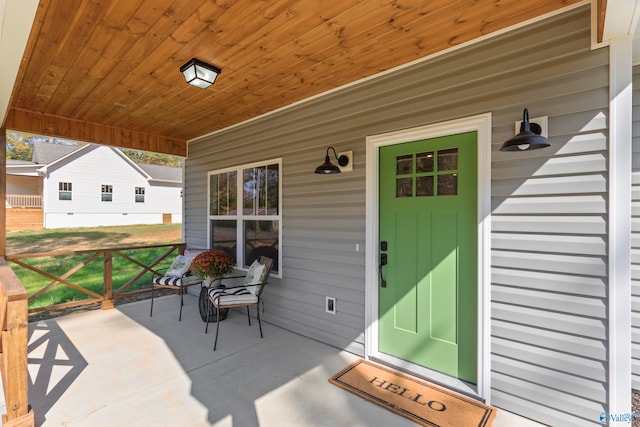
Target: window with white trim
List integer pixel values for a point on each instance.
(64, 191)
(139, 194)
(107, 193)
(245, 212)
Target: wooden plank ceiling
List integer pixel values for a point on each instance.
(108, 71)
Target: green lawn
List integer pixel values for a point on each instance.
(89, 277)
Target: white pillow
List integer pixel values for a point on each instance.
(192, 253)
(180, 266)
(255, 274)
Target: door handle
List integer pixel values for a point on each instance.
(383, 262)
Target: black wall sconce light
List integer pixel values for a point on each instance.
(328, 168)
(198, 73)
(529, 138)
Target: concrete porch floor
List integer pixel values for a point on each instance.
(121, 367)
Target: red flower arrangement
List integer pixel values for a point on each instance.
(212, 263)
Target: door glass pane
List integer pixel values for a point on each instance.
(261, 239)
(222, 194)
(404, 164)
(223, 236)
(424, 186)
(404, 187)
(448, 159)
(424, 162)
(448, 184)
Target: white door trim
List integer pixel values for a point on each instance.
(482, 125)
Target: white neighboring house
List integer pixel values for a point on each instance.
(94, 185)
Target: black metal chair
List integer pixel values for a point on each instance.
(247, 294)
(177, 277)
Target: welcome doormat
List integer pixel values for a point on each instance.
(418, 400)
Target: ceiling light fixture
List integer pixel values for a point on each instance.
(198, 73)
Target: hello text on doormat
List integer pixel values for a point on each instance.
(418, 400)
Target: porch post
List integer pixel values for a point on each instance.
(3, 193)
(620, 118)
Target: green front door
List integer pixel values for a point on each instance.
(428, 232)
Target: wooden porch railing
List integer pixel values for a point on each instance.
(13, 350)
(109, 295)
(24, 201)
(14, 313)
